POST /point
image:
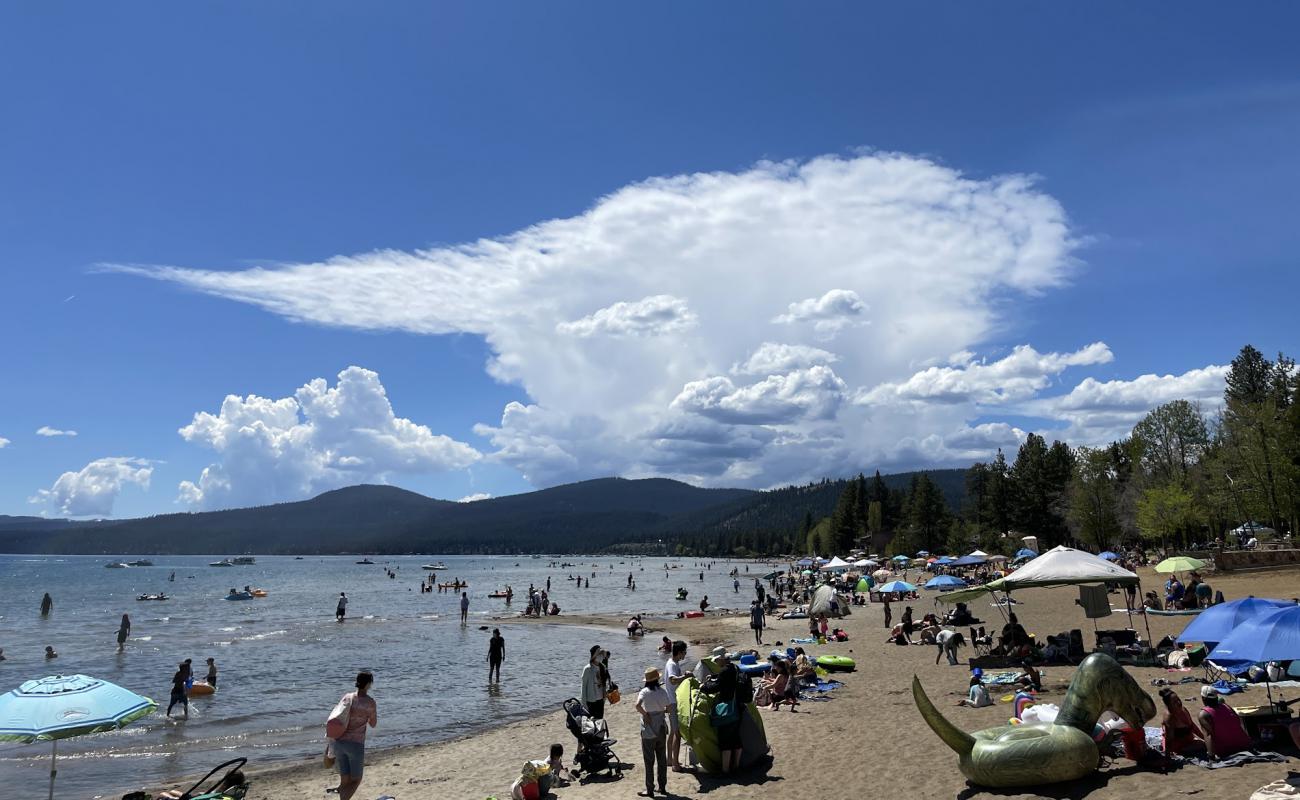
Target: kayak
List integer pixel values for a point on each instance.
(152, 597)
(498, 594)
(836, 663)
(453, 586)
(1181, 612)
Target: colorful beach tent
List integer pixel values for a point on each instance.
(864, 585)
(64, 706)
(1215, 623)
(1060, 566)
(821, 600)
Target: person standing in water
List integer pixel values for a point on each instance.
(341, 610)
(464, 607)
(496, 654)
(47, 605)
(123, 631)
(178, 691)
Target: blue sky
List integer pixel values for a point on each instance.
(221, 138)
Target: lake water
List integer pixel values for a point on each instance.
(284, 661)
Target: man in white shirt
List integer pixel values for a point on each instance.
(673, 676)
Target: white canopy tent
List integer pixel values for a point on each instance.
(836, 564)
(1060, 566)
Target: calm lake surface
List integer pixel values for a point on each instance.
(284, 661)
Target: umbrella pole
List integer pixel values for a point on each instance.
(54, 752)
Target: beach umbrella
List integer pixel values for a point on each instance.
(893, 587)
(1179, 564)
(946, 582)
(806, 572)
(1274, 636)
(922, 553)
(804, 562)
(1108, 555)
(945, 560)
(64, 706)
(1025, 552)
(901, 559)
(772, 575)
(1216, 623)
(882, 574)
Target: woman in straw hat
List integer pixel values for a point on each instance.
(652, 703)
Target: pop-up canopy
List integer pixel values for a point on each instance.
(1060, 566)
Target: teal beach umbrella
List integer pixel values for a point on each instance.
(63, 706)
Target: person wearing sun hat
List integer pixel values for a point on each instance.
(652, 703)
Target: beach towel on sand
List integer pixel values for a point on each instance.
(1234, 760)
(1285, 789)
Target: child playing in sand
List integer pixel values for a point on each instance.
(560, 774)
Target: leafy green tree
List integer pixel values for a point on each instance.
(1093, 498)
(1172, 438)
(1039, 481)
(1163, 511)
(926, 514)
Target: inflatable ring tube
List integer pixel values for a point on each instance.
(836, 663)
(755, 669)
(201, 688)
(694, 614)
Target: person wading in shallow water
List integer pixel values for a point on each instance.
(341, 610)
(496, 654)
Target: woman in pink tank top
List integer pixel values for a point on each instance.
(1224, 733)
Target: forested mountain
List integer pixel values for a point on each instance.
(579, 517)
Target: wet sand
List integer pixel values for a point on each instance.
(869, 735)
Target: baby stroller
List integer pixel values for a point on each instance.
(595, 754)
(231, 786)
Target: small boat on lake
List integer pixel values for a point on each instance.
(159, 596)
(365, 561)
(225, 562)
(243, 561)
(240, 596)
(142, 562)
(436, 566)
(115, 565)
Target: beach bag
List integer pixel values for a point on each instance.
(613, 696)
(337, 723)
(329, 754)
(763, 696)
(724, 713)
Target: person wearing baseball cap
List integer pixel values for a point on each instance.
(653, 703)
(1224, 733)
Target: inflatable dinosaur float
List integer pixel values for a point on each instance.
(1032, 755)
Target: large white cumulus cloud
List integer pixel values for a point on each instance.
(92, 490)
(727, 328)
(321, 438)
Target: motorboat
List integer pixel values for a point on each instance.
(115, 565)
(244, 561)
(437, 566)
(159, 596)
(240, 596)
(142, 562)
(225, 562)
(365, 561)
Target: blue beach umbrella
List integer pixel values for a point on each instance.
(63, 706)
(1108, 555)
(946, 582)
(945, 560)
(1215, 623)
(896, 587)
(901, 558)
(1025, 552)
(1274, 636)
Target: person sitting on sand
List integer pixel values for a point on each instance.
(803, 667)
(1030, 677)
(898, 635)
(1151, 600)
(781, 687)
(1224, 734)
(560, 774)
(1181, 736)
(977, 696)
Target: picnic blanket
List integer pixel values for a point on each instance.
(1004, 678)
(1234, 760)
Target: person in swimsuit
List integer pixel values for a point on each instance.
(123, 631)
(1181, 736)
(212, 672)
(1224, 734)
(464, 607)
(340, 611)
(350, 748)
(178, 690)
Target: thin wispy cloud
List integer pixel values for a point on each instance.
(46, 430)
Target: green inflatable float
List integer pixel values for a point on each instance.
(1033, 755)
(693, 708)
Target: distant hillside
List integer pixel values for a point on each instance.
(577, 517)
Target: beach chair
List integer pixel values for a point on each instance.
(230, 786)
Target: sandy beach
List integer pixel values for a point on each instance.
(869, 734)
